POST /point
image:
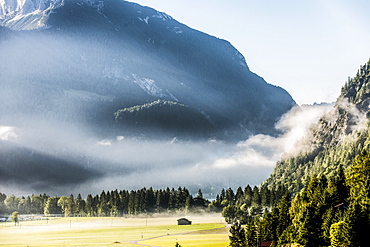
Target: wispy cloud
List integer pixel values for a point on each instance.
(7, 133)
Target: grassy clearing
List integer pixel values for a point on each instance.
(161, 231)
(190, 240)
(183, 235)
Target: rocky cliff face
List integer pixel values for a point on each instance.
(26, 14)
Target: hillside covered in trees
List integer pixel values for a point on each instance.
(327, 202)
(326, 212)
(339, 136)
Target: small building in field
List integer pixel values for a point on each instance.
(183, 221)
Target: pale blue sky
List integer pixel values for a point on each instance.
(307, 47)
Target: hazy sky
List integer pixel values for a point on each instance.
(307, 47)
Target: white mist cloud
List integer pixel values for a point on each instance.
(8, 133)
(357, 119)
(264, 151)
(296, 124)
(126, 163)
(212, 163)
(105, 143)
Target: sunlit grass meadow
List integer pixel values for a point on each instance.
(159, 231)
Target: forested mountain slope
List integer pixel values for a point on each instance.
(339, 136)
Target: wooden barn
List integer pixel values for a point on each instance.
(183, 221)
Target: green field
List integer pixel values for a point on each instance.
(152, 231)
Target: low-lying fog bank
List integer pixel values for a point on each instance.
(60, 159)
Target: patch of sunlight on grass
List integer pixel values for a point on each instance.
(107, 231)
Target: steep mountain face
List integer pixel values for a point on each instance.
(339, 136)
(26, 14)
(82, 61)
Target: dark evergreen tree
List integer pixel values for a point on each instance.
(239, 194)
(150, 199)
(124, 200)
(265, 196)
(215, 205)
(283, 214)
(248, 194)
(358, 223)
(90, 206)
(159, 201)
(310, 230)
(2, 204)
(250, 234)
(103, 209)
(172, 201)
(80, 206)
(229, 213)
(230, 196)
(222, 195)
(269, 225)
(339, 234)
(72, 205)
(237, 237)
(256, 198)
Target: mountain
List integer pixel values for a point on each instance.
(335, 140)
(83, 61)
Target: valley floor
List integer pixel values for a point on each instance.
(206, 230)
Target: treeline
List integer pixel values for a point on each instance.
(244, 204)
(111, 203)
(147, 201)
(326, 212)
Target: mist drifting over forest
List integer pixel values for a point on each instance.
(76, 161)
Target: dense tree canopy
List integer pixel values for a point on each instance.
(337, 138)
(331, 211)
(111, 203)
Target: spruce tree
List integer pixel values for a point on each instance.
(89, 206)
(283, 214)
(339, 234)
(237, 237)
(307, 235)
(358, 180)
(250, 234)
(358, 226)
(248, 194)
